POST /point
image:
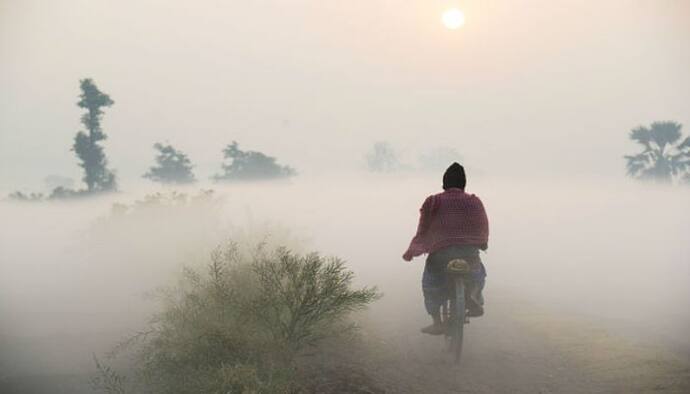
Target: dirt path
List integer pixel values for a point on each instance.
(516, 348)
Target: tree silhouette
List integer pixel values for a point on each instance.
(382, 158)
(96, 174)
(250, 165)
(172, 166)
(664, 156)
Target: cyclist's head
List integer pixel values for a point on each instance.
(454, 177)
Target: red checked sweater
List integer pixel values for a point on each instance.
(452, 217)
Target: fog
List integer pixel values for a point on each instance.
(540, 83)
(73, 284)
(537, 97)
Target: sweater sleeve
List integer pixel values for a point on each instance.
(482, 224)
(418, 244)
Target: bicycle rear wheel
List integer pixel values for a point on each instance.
(458, 318)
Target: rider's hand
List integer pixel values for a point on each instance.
(407, 256)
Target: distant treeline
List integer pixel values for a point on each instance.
(172, 166)
(665, 157)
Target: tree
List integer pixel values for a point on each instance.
(251, 165)
(96, 174)
(663, 157)
(173, 166)
(382, 158)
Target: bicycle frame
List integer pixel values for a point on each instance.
(454, 309)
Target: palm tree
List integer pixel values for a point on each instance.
(663, 157)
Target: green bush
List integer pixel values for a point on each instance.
(238, 326)
(303, 299)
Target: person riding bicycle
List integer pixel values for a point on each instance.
(452, 224)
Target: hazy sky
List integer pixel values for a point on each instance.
(549, 87)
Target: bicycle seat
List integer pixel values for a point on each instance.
(458, 267)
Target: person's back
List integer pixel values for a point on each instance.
(451, 217)
(452, 224)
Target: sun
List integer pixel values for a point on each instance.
(453, 18)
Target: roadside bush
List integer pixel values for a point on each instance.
(237, 326)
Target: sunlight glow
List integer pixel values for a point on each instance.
(453, 18)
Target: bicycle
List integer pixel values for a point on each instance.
(454, 310)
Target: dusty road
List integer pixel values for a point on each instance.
(516, 348)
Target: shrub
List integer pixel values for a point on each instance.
(107, 380)
(238, 325)
(302, 299)
(25, 197)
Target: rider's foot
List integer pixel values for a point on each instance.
(434, 329)
(475, 311)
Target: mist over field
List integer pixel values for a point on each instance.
(322, 127)
(75, 283)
